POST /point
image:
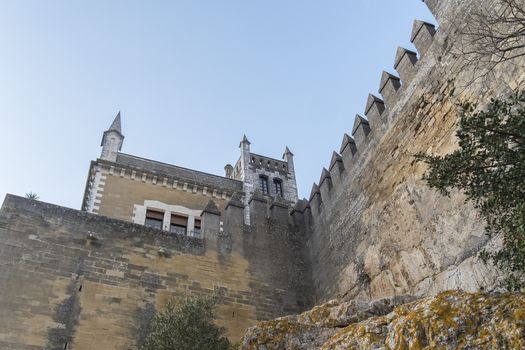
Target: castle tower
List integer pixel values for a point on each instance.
(112, 140)
(271, 177)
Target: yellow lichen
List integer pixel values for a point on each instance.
(451, 320)
(319, 314)
(270, 333)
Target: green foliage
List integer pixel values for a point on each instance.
(489, 167)
(187, 325)
(32, 196)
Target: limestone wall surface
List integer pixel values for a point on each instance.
(68, 276)
(378, 229)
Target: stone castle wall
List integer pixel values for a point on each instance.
(378, 230)
(58, 285)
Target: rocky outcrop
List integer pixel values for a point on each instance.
(311, 329)
(450, 320)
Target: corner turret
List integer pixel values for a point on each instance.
(288, 158)
(244, 145)
(245, 142)
(287, 154)
(112, 140)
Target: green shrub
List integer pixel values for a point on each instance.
(489, 167)
(187, 325)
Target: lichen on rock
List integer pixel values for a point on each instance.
(449, 320)
(286, 333)
(311, 329)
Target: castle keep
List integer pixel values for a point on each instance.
(128, 196)
(150, 231)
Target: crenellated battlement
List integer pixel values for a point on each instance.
(380, 113)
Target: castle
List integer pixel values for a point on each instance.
(127, 197)
(150, 231)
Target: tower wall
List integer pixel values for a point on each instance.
(379, 230)
(251, 167)
(258, 165)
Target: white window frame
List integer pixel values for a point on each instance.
(139, 214)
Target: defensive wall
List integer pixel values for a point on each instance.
(378, 229)
(71, 279)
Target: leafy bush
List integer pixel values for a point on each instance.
(489, 167)
(187, 325)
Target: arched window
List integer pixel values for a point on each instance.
(278, 187)
(264, 184)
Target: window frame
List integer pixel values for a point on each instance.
(176, 228)
(278, 187)
(197, 227)
(263, 182)
(154, 218)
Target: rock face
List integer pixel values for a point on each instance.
(311, 329)
(450, 320)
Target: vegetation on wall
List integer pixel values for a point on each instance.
(32, 196)
(490, 36)
(187, 325)
(489, 167)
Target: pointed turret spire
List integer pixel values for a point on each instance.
(244, 140)
(116, 124)
(112, 140)
(287, 152)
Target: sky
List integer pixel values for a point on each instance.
(189, 77)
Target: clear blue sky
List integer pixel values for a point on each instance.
(190, 78)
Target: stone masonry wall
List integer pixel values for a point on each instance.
(378, 230)
(58, 285)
